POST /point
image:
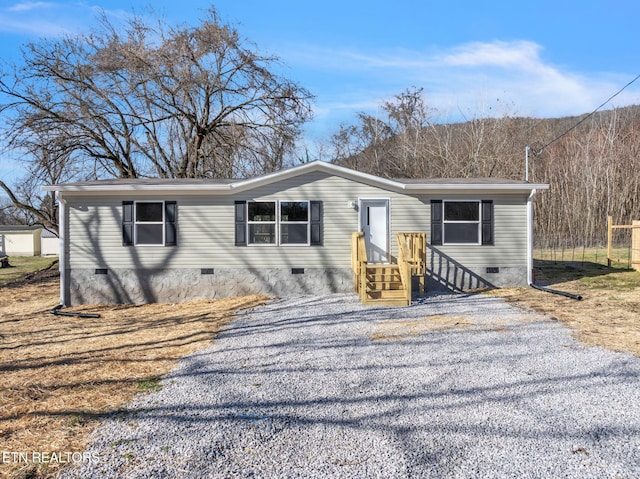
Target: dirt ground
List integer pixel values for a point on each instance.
(60, 375)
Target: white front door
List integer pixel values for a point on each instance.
(374, 222)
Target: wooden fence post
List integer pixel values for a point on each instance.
(635, 245)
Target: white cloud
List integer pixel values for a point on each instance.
(36, 27)
(504, 54)
(27, 6)
(474, 78)
(60, 18)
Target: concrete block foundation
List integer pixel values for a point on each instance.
(107, 286)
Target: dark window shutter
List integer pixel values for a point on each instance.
(487, 222)
(436, 222)
(316, 223)
(241, 223)
(170, 217)
(127, 223)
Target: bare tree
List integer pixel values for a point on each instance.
(148, 99)
(10, 214)
(364, 146)
(408, 118)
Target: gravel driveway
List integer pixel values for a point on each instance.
(459, 386)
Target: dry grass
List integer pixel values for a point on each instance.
(61, 375)
(609, 314)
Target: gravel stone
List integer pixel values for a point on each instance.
(299, 388)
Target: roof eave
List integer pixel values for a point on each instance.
(503, 187)
(136, 188)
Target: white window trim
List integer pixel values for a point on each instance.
(136, 223)
(281, 222)
(249, 223)
(479, 221)
(278, 222)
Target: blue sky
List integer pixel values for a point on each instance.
(473, 58)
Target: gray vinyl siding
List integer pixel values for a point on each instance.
(206, 229)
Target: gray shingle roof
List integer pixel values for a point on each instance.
(117, 182)
(459, 181)
(18, 228)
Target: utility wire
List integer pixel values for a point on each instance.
(586, 117)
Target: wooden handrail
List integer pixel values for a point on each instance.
(358, 249)
(358, 258)
(404, 267)
(415, 254)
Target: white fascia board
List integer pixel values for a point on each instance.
(117, 189)
(475, 187)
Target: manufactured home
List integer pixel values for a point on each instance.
(286, 233)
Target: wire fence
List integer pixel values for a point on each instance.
(586, 252)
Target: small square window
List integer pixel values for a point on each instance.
(261, 216)
(294, 222)
(461, 222)
(149, 223)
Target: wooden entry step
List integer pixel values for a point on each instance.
(384, 286)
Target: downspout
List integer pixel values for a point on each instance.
(530, 237)
(526, 165)
(62, 240)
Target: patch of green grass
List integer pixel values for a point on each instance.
(560, 272)
(580, 255)
(623, 280)
(151, 384)
(23, 265)
(588, 265)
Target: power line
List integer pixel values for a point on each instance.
(586, 117)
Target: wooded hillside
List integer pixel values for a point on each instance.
(591, 162)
